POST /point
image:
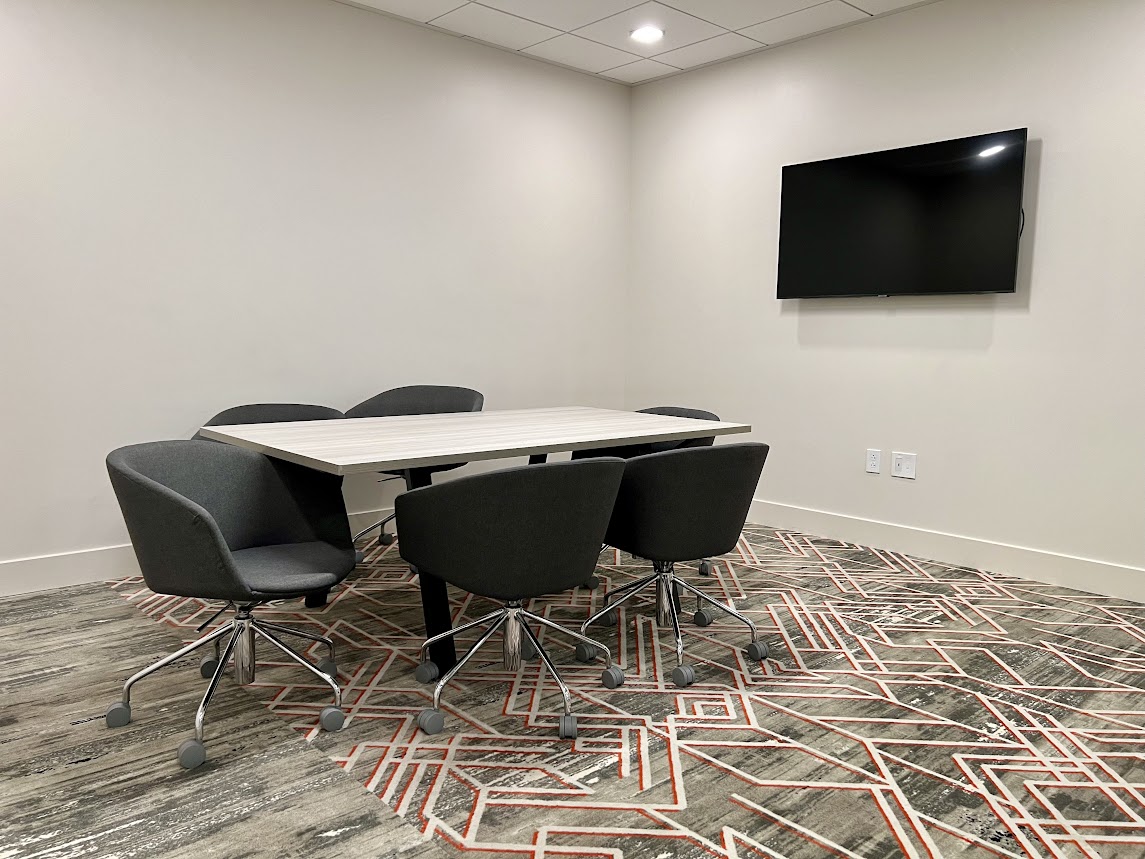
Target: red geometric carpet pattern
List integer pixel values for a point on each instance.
(908, 708)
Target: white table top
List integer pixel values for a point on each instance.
(359, 445)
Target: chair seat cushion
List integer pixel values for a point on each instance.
(292, 569)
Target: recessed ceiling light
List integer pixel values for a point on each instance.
(993, 150)
(647, 35)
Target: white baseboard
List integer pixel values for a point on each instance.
(1085, 574)
(43, 572)
(23, 575)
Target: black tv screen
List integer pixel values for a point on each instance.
(934, 219)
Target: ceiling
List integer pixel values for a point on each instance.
(593, 35)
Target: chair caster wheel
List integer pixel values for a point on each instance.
(528, 652)
(208, 665)
(592, 583)
(683, 675)
(331, 719)
(585, 652)
(385, 539)
(707, 568)
(703, 617)
(359, 557)
(329, 667)
(192, 753)
(612, 676)
(317, 600)
(756, 651)
(607, 619)
(431, 721)
(426, 672)
(118, 715)
(567, 729)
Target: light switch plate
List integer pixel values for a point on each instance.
(904, 465)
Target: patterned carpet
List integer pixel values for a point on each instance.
(909, 708)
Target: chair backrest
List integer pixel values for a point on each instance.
(512, 534)
(272, 413)
(630, 450)
(681, 505)
(419, 400)
(188, 505)
(681, 412)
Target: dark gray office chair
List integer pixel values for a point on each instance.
(511, 536)
(218, 522)
(629, 451)
(677, 506)
(273, 413)
(705, 567)
(414, 400)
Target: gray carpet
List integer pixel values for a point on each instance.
(908, 708)
(70, 787)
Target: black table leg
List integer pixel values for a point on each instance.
(538, 458)
(434, 595)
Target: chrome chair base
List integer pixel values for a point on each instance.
(668, 614)
(516, 634)
(240, 635)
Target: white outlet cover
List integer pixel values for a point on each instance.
(874, 461)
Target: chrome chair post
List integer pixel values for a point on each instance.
(665, 594)
(244, 649)
(511, 640)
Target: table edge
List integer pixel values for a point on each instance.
(342, 470)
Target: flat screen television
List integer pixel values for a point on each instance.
(935, 219)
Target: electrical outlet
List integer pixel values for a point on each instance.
(904, 465)
(874, 461)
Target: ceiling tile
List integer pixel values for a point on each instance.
(491, 25)
(679, 29)
(641, 70)
(834, 13)
(708, 51)
(580, 53)
(563, 14)
(417, 10)
(878, 7)
(737, 14)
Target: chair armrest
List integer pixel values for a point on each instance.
(179, 546)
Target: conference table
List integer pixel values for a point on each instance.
(412, 443)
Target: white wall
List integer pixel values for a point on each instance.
(207, 202)
(1026, 411)
(210, 202)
